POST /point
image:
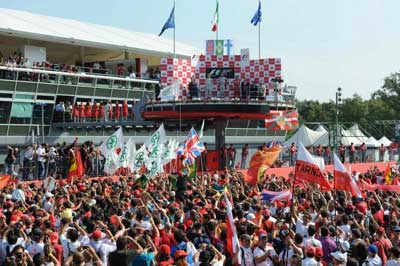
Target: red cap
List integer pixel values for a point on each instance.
(266, 212)
(54, 238)
(319, 252)
(350, 206)
(362, 207)
(96, 234)
(164, 249)
(307, 204)
(179, 253)
(380, 230)
(310, 250)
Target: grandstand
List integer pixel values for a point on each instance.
(47, 60)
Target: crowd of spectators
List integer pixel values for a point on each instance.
(352, 153)
(175, 220)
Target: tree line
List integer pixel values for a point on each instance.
(384, 104)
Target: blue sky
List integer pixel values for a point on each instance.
(323, 44)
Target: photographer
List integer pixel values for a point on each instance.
(19, 257)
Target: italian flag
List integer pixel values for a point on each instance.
(215, 22)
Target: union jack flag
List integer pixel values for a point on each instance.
(192, 148)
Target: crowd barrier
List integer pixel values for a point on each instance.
(283, 171)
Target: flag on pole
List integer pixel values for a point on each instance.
(76, 168)
(215, 22)
(192, 148)
(170, 93)
(156, 138)
(308, 170)
(285, 120)
(257, 16)
(272, 196)
(260, 162)
(140, 158)
(343, 180)
(109, 150)
(170, 23)
(201, 130)
(232, 240)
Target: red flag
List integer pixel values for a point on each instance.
(282, 120)
(306, 169)
(343, 180)
(76, 168)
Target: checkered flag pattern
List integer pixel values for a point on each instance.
(258, 71)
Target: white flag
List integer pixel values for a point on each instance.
(113, 142)
(109, 151)
(127, 154)
(170, 93)
(140, 157)
(201, 130)
(156, 139)
(169, 152)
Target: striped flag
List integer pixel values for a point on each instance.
(343, 180)
(272, 196)
(215, 21)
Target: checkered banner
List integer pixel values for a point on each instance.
(261, 71)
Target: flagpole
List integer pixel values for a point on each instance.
(217, 21)
(174, 30)
(259, 40)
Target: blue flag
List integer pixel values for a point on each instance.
(257, 16)
(170, 23)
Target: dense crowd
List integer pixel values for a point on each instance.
(175, 220)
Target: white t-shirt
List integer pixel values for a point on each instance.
(258, 252)
(41, 152)
(392, 263)
(312, 241)
(375, 261)
(103, 247)
(301, 228)
(34, 248)
(309, 262)
(246, 257)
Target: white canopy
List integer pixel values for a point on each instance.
(385, 141)
(346, 139)
(304, 135)
(321, 128)
(372, 142)
(59, 30)
(355, 131)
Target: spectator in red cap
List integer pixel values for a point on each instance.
(164, 258)
(318, 256)
(309, 260)
(180, 258)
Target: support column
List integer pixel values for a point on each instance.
(82, 56)
(220, 126)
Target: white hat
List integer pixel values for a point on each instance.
(137, 176)
(92, 202)
(250, 216)
(342, 257)
(48, 195)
